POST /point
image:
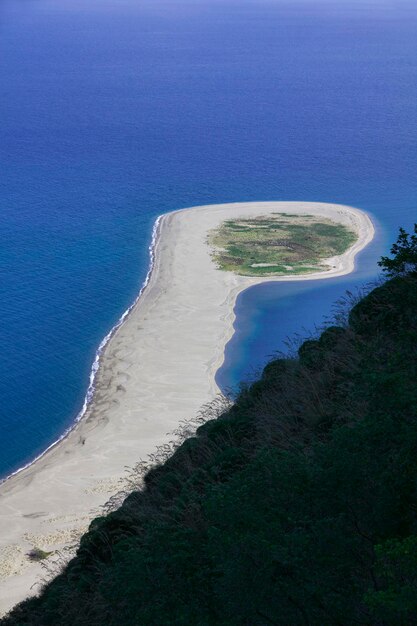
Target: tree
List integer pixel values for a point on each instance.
(405, 255)
(395, 601)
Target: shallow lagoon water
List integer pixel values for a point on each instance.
(273, 318)
(112, 113)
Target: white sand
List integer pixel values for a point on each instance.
(157, 369)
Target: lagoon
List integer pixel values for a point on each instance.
(113, 113)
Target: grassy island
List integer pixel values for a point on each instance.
(278, 244)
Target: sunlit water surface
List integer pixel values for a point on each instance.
(114, 112)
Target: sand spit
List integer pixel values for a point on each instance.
(157, 369)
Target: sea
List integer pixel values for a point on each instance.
(115, 111)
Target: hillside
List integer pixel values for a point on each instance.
(297, 505)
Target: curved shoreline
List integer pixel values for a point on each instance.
(345, 267)
(89, 395)
(157, 366)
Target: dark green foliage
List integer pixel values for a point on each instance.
(297, 506)
(405, 255)
(396, 565)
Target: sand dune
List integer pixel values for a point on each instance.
(157, 369)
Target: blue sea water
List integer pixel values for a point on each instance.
(114, 111)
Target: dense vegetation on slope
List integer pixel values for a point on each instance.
(298, 505)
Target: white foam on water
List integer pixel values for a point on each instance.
(96, 363)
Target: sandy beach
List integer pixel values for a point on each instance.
(156, 370)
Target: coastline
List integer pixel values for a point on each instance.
(184, 314)
(96, 363)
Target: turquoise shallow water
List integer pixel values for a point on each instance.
(112, 113)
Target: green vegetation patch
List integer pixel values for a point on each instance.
(37, 554)
(278, 244)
